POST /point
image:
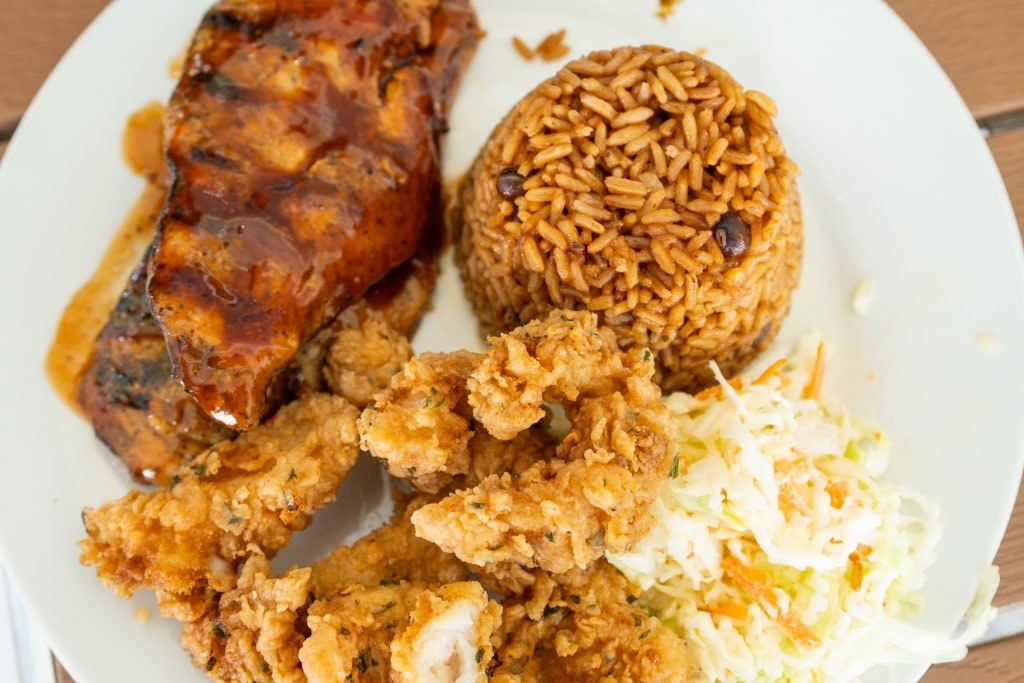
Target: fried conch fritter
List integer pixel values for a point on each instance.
(389, 607)
(581, 626)
(563, 504)
(244, 497)
(421, 428)
(390, 553)
(406, 632)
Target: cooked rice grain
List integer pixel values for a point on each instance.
(552, 47)
(630, 158)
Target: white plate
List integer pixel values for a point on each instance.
(897, 182)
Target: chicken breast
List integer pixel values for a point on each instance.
(302, 140)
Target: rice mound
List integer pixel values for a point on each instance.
(646, 185)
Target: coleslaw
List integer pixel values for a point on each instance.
(778, 552)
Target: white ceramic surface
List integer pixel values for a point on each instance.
(897, 183)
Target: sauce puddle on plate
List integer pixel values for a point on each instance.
(88, 310)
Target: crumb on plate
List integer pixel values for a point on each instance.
(552, 47)
(989, 342)
(863, 296)
(665, 8)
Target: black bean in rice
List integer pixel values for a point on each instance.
(650, 187)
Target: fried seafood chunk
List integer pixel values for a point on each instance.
(580, 626)
(448, 636)
(594, 494)
(253, 633)
(394, 607)
(560, 357)
(489, 455)
(404, 632)
(361, 360)
(239, 498)
(392, 552)
(420, 427)
(396, 630)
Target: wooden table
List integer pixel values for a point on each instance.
(977, 42)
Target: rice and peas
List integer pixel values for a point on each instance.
(650, 187)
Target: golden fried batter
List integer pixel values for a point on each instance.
(402, 632)
(361, 360)
(560, 357)
(253, 633)
(595, 494)
(391, 630)
(448, 637)
(241, 497)
(489, 455)
(390, 553)
(401, 604)
(580, 626)
(420, 427)
(393, 607)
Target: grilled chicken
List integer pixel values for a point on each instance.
(155, 427)
(302, 141)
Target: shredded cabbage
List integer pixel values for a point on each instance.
(778, 553)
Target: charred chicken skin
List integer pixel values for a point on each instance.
(302, 141)
(127, 392)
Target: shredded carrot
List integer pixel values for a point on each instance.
(837, 493)
(813, 385)
(856, 571)
(857, 558)
(798, 631)
(790, 500)
(761, 587)
(715, 391)
(771, 371)
(791, 467)
(522, 48)
(732, 610)
(712, 392)
(751, 580)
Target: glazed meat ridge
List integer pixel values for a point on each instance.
(302, 141)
